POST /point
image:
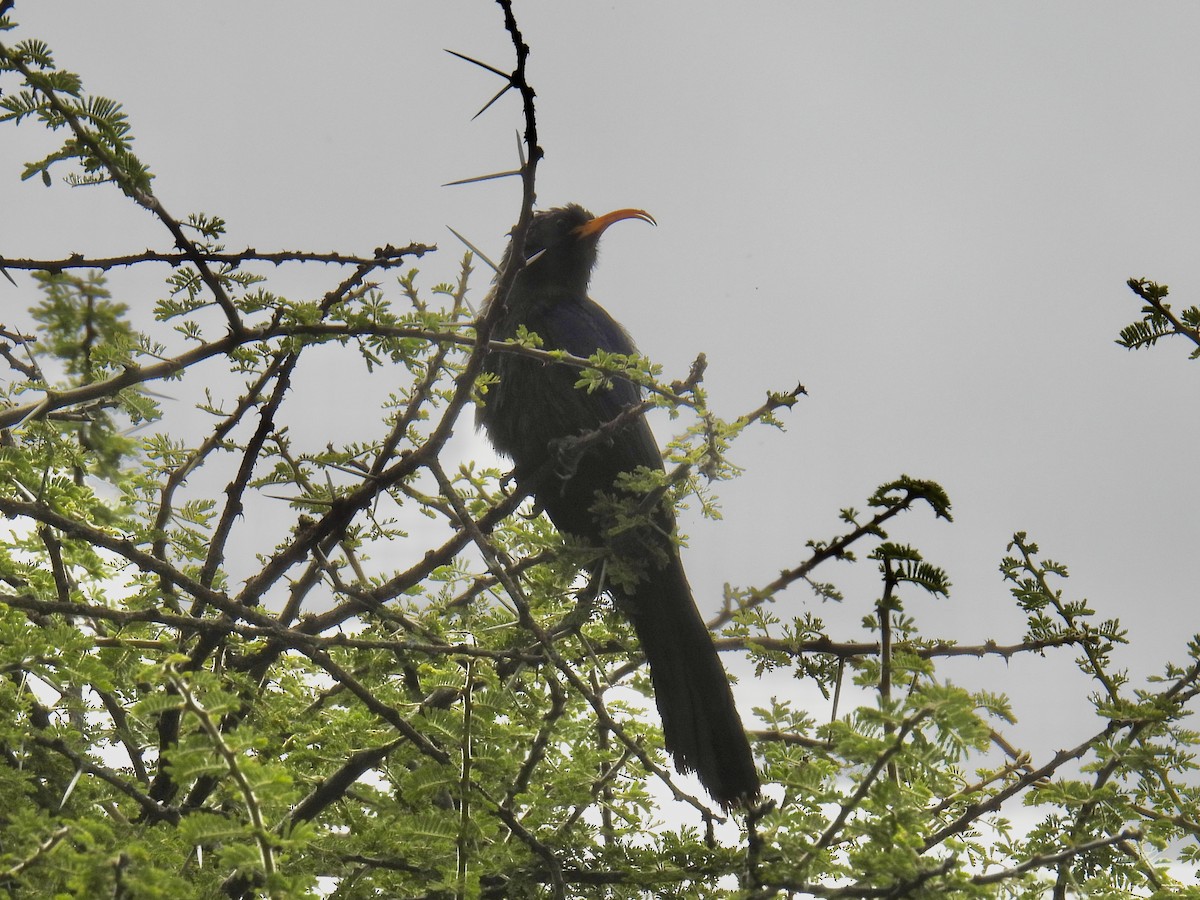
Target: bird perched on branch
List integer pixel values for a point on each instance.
(533, 411)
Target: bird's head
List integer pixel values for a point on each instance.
(560, 246)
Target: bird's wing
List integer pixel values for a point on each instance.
(581, 329)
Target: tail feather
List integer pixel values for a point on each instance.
(701, 726)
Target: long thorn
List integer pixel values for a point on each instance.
(481, 65)
(309, 501)
(500, 93)
(482, 178)
(38, 410)
(475, 250)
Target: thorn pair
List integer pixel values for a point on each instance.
(509, 83)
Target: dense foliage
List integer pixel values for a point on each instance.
(219, 681)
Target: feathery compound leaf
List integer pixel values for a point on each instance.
(34, 51)
(1145, 333)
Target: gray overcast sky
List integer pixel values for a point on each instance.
(924, 212)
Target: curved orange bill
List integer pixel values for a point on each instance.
(597, 225)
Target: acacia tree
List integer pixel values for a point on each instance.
(462, 725)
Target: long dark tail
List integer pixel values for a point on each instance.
(700, 721)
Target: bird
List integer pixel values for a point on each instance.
(530, 408)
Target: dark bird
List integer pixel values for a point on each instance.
(529, 414)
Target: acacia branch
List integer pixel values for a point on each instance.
(864, 786)
(151, 810)
(1185, 688)
(1045, 860)
(920, 649)
(1149, 293)
(233, 764)
(835, 549)
(43, 848)
(196, 458)
(972, 813)
(128, 550)
(291, 638)
(387, 257)
(129, 186)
